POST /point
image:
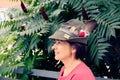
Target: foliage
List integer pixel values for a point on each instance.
(26, 33)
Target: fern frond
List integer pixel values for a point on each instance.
(4, 69)
(106, 23)
(98, 48)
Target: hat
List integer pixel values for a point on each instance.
(74, 31)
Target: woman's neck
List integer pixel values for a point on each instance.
(70, 64)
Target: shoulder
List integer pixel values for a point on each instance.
(83, 77)
(82, 67)
(83, 72)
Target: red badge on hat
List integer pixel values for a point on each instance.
(82, 34)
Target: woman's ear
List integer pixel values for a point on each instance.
(73, 49)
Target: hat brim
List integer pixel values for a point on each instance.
(58, 35)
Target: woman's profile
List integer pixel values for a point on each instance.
(69, 48)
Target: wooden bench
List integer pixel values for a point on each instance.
(43, 73)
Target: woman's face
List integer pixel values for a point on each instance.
(62, 50)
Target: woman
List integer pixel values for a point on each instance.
(69, 48)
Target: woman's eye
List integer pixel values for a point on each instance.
(58, 42)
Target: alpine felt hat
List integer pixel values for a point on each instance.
(74, 31)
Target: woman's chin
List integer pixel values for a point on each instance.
(57, 58)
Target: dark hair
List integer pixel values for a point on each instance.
(80, 50)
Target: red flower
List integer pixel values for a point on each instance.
(23, 7)
(82, 34)
(45, 16)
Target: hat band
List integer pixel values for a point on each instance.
(68, 32)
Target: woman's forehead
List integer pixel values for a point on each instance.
(62, 41)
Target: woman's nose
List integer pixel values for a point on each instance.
(53, 47)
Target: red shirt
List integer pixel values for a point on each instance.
(80, 72)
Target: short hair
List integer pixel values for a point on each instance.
(80, 50)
